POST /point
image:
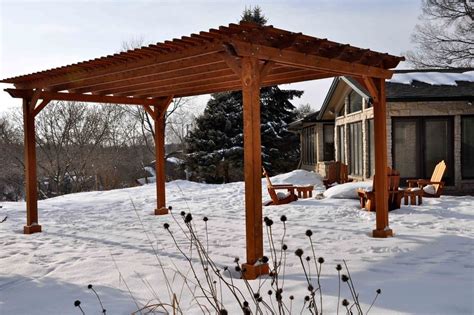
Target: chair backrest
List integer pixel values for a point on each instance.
(343, 173)
(269, 182)
(271, 191)
(333, 172)
(393, 182)
(438, 174)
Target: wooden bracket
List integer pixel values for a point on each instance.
(266, 68)
(39, 108)
(370, 85)
(234, 62)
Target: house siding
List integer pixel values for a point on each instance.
(410, 109)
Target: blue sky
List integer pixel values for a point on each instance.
(38, 35)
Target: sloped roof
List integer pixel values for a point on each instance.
(437, 89)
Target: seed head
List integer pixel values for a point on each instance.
(306, 298)
(283, 218)
(338, 267)
(166, 226)
(292, 297)
(299, 252)
(89, 286)
(309, 233)
(182, 213)
(310, 288)
(308, 258)
(378, 291)
(345, 302)
(170, 208)
(246, 304)
(188, 218)
(320, 260)
(270, 292)
(269, 222)
(205, 219)
(264, 259)
(284, 247)
(344, 278)
(77, 303)
(223, 312)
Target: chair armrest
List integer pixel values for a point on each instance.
(413, 182)
(282, 185)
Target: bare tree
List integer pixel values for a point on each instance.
(302, 110)
(445, 37)
(11, 152)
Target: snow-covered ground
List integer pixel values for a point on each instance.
(427, 268)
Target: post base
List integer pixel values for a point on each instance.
(252, 272)
(161, 211)
(382, 233)
(30, 229)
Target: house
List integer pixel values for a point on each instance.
(430, 117)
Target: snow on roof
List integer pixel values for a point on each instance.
(433, 78)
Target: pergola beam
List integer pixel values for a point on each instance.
(54, 96)
(309, 61)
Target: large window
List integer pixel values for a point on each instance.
(328, 142)
(355, 148)
(419, 143)
(307, 146)
(370, 141)
(340, 144)
(355, 102)
(467, 147)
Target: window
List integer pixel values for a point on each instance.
(467, 147)
(307, 146)
(355, 148)
(340, 144)
(355, 102)
(419, 143)
(370, 141)
(328, 142)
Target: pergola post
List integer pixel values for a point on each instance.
(158, 115)
(31, 193)
(251, 72)
(160, 165)
(382, 228)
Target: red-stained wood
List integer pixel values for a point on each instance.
(31, 192)
(53, 96)
(252, 167)
(158, 115)
(382, 227)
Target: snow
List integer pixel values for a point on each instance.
(299, 178)
(347, 190)
(433, 78)
(426, 268)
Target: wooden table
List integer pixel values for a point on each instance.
(414, 195)
(305, 191)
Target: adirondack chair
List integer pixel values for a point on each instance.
(337, 173)
(434, 186)
(279, 198)
(367, 198)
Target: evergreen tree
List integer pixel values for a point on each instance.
(215, 147)
(254, 15)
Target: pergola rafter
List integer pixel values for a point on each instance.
(243, 56)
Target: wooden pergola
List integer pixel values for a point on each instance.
(243, 56)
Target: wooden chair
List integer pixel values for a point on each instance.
(337, 173)
(276, 200)
(367, 198)
(436, 181)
